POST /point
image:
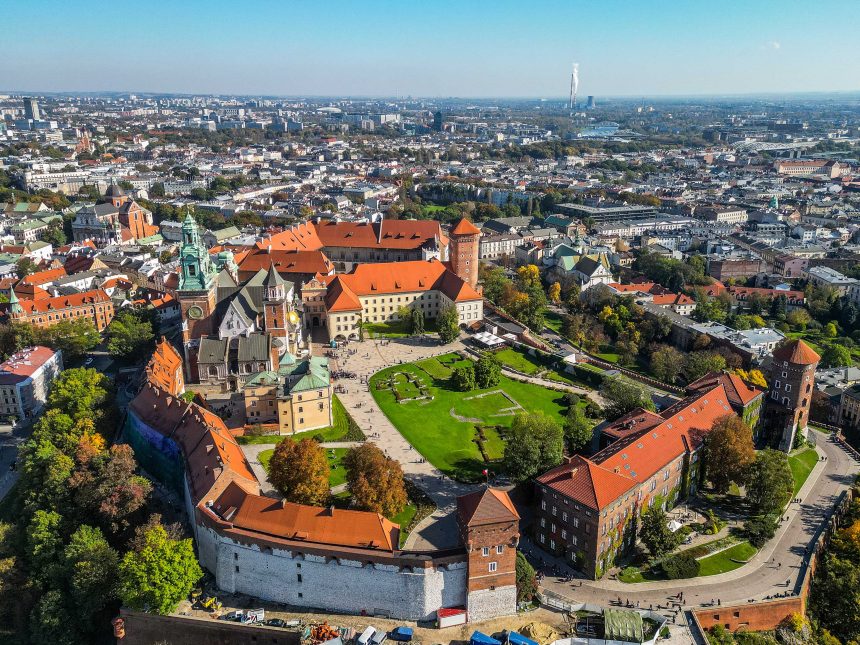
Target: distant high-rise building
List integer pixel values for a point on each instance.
(589, 103)
(31, 109)
(437, 121)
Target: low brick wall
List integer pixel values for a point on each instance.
(755, 617)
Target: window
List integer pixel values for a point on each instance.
(543, 504)
(563, 534)
(493, 566)
(788, 387)
(500, 549)
(298, 577)
(542, 538)
(576, 522)
(485, 551)
(564, 516)
(554, 511)
(237, 568)
(777, 384)
(542, 523)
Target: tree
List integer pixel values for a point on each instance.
(836, 356)
(447, 325)
(105, 484)
(54, 233)
(758, 530)
(159, 575)
(300, 471)
(554, 293)
(463, 378)
(770, 483)
(753, 377)
(729, 452)
(375, 481)
(130, 334)
(697, 364)
(534, 444)
(51, 620)
(416, 321)
(654, 531)
(91, 566)
(81, 392)
(681, 565)
(526, 579)
(578, 430)
(488, 371)
(830, 329)
(666, 363)
(44, 546)
(622, 396)
(798, 318)
(44, 473)
(73, 337)
(25, 266)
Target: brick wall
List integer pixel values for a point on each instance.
(491, 537)
(754, 617)
(145, 629)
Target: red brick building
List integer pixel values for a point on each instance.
(464, 248)
(586, 507)
(94, 305)
(791, 379)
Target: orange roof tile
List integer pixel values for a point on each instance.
(465, 227)
(94, 297)
(387, 234)
(163, 366)
(286, 262)
(42, 277)
(296, 238)
(486, 506)
(315, 524)
(402, 277)
(797, 352)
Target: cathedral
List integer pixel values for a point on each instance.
(116, 219)
(232, 329)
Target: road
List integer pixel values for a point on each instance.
(777, 568)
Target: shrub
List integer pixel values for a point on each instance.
(680, 566)
(664, 632)
(758, 530)
(593, 410)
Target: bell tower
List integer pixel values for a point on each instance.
(490, 531)
(196, 293)
(275, 305)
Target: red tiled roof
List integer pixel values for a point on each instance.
(769, 293)
(739, 392)
(45, 305)
(486, 506)
(670, 299)
(387, 234)
(402, 277)
(465, 227)
(638, 456)
(163, 366)
(285, 262)
(297, 238)
(316, 524)
(42, 277)
(797, 352)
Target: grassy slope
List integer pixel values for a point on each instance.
(802, 464)
(337, 475)
(725, 560)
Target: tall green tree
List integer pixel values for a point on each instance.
(526, 579)
(300, 471)
(666, 363)
(622, 396)
(375, 480)
(91, 566)
(770, 483)
(654, 531)
(448, 325)
(535, 443)
(578, 430)
(488, 371)
(73, 337)
(130, 334)
(159, 575)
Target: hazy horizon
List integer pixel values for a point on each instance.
(384, 49)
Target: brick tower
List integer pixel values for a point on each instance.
(490, 531)
(464, 251)
(791, 378)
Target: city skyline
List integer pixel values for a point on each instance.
(389, 50)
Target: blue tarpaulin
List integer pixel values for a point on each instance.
(479, 638)
(515, 638)
(402, 634)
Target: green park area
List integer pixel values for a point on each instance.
(458, 432)
(343, 429)
(802, 463)
(533, 366)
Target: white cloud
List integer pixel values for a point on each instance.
(773, 44)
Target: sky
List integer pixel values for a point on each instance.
(430, 48)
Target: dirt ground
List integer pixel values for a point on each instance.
(423, 635)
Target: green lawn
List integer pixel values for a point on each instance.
(485, 408)
(518, 361)
(336, 477)
(446, 442)
(725, 560)
(802, 464)
(553, 320)
(406, 387)
(386, 330)
(336, 432)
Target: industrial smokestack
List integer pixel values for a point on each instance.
(574, 86)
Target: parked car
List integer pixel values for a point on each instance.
(275, 622)
(232, 616)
